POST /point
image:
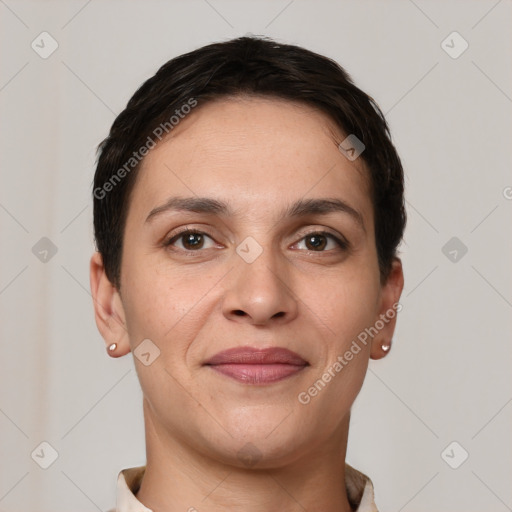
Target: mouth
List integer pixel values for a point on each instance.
(257, 366)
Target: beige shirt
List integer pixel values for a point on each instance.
(359, 490)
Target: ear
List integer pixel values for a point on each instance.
(388, 309)
(108, 308)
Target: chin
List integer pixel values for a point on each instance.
(260, 454)
(262, 444)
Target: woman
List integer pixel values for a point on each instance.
(248, 205)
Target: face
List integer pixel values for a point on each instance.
(278, 253)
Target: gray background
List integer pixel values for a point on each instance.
(447, 377)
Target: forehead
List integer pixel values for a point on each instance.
(252, 151)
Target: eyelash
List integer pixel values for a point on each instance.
(343, 244)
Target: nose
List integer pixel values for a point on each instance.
(260, 293)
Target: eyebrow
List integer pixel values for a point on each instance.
(299, 208)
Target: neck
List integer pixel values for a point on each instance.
(179, 478)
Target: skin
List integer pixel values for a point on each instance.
(258, 155)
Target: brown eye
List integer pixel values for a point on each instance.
(189, 240)
(316, 242)
(322, 242)
(193, 240)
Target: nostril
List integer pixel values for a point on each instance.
(239, 312)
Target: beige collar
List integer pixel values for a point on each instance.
(359, 490)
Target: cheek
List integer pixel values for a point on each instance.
(345, 312)
(345, 303)
(148, 311)
(165, 305)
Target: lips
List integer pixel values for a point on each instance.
(257, 366)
